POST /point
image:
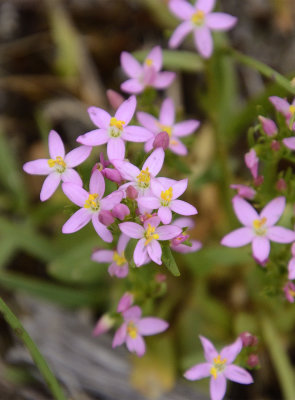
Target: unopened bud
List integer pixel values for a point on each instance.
(268, 126)
(120, 211)
(275, 145)
(281, 185)
(161, 140)
(131, 192)
(248, 339)
(253, 360)
(114, 98)
(125, 302)
(106, 218)
(113, 175)
(159, 278)
(103, 325)
(259, 180)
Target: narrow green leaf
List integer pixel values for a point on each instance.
(169, 261)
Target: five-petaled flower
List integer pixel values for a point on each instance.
(59, 167)
(220, 367)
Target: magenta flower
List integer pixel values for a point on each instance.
(291, 264)
(268, 126)
(259, 228)
(59, 167)
(149, 234)
(166, 122)
(252, 161)
(220, 367)
(134, 328)
(146, 75)
(199, 20)
(164, 200)
(177, 243)
(289, 290)
(244, 191)
(91, 204)
(119, 264)
(114, 130)
(285, 108)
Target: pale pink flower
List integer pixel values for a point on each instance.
(149, 234)
(91, 203)
(59, 167)
(244, 191)
(114, 130)
(291, 264)
(259, 228)
(252, 161)
(200, 20)
(177, 243)
(289, 290)
(268, 126)
(146, 75)
(285, 108)
(219, 367)
(134, 328)
(166, 122)
(119, 264)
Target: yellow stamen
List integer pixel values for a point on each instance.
(213, 372)
(150, 235)
(218, 366)
(57, 162)
(149, 62)
(217, 360)
(132, 330)
(258, 223)
(166, 128)
(119, 259)
(292, 109)
(166, 196)
(198, 17)
(92, 202)
(117, 123)
(144, 178)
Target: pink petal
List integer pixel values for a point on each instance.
(182, 207)
(118, 271)
(217, 387)
(151, 203)
(230, 352)
(151, 326)
(155, 162)
(203, 41)
(280, 235)
(97, 183)
(179, 34)
(99, 117)
(49, 186)
(157, 187)
(148, 121)
(125, 302)
(153, 221)
(120, 335)
(37, 167)
(101, 229)
(167, 112)
(75, 193)
(72, 176)
(164, 79)
(136, 134)
(209, 350)
(165, 215)
(131, 229)
(155, 251)
(273, 210)
(280, 104)
(110, 201)
(239, 237)
(245, 213)
(291, 269)
(102, 256)
(136, 345)
(182, 248)
(122, 242)
(260, 248)
(77, 221)
(185, 128)
(182, 9)
(156, 56)
(148, 146)
(126, 110)
(56, 146)
(94, 138)
(130, 65)
(132, 86)
(126, 169)
(77, 156)
(179, 188)
(184, 222)
(220, 21)
(205, 5)
(168, 232)
(199, 371)
(140, 253)
(238, 374)
(116, 149)
(290, 142)
(132, 313)
(177, 147)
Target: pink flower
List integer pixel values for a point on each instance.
(148, 235)
(177, 243)
(220, 367)
(268, 126)
(119, 264)
(114, 130)
(125, 302)
(244, 191)
(91, 204)
(289, 290)
(259, 228)
(134, 328)
(146, 75)
(251, 161)
(285, 108)
(166, 122)
(163, 199)
(199, 20)
(291, 265)
(59, 167)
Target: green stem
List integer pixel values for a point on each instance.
(279, 358)
(42, 365)
(265, 70)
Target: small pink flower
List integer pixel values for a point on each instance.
(114, 130)
(91, 204)
(220, 367)
(177, 243)
(166, 122)
(146, 75)
(59, 167)
(199, 20)
(134, 328)
(289, 290)
(103, 325)
(285, 108)
(291, 265)
(119, 264)
(259, 228)
(148, 235)
(251, 161)
(268, 126)
(125, 302)
(244, 191)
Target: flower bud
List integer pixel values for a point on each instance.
(281, 185)
(251, 161)
(159, 278)
(289, 290)
(244, 191)
(259, 180)
(131, 192)
(275, 145)
(114, 98)
(106, 218)
(161, 140)
(120, 211)
(248, 339)
(253, 360)
(112, 174)
(268, 126)
(103, 325)
(125, 302)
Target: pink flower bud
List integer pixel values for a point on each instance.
(97, 166)
(146, 216)
(106, 218)
(248, 339)
(120, 211)
(159, 278)
(281, 185)
(251, 161)
(244, 191)
(114, 98)
(289, 290)
(275, 145)
(253, 360)
(179, 239)
(125, 302)
(161, 140)
(259, 180)
(131, 192)
(112, 174)
(268, 126)
(103, 325)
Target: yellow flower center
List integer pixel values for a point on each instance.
(144, 178)
(198, 18)
(291, 292)
(166, 128)
(116, 127)
(292, 109)
(132, 330)
(259, 226)
(218, 366)
(119, 259)
(149, 62)
(150, 235)
(166, 196)
(92, 202)
(59, 164)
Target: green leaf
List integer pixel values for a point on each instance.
(169, 261)
(129, 251)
